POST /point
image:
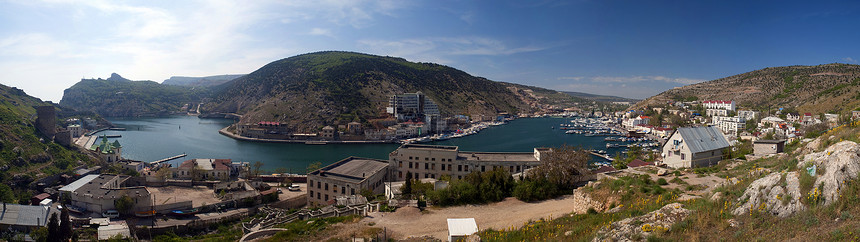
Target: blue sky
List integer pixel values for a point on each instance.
(625, 48)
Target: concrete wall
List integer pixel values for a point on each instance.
(296, 202)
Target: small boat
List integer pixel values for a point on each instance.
(187, 212)
(144, 214)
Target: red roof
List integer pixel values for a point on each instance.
(638, 163)
(807, 114)
(643, 117)
(604, 169)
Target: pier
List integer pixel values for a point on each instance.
(601, 156)
(168, 159)
(118, 129)
(113, 136)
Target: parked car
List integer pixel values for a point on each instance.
(294, 188)
(110, 214)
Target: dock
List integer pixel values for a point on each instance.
(601, 156)
(118, 129)
(168, 159)
(114, 136)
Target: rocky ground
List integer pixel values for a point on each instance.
(638, 228)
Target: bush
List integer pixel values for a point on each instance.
(662, 182)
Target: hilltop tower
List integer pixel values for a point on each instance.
(46, 120)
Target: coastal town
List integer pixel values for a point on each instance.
(127, 198)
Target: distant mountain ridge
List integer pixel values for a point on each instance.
(601, 98)
(206, 81)
(833, 88)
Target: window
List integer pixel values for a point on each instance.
(311, 184)
(433, 166)
(318, 185)
(399, 174)
(334, 188)
(483, 168)
(434, 159)
(426, 159)
(352, 191)
(466, 168)
(410, 157)
(399, 164)
(326, 197)
(410, 165)
(326, 188)
(682, 156)
(426, 175)
(459, 167)
(426, 166)
(449, 167)
(312, 193)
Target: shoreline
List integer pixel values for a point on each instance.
(224, 132)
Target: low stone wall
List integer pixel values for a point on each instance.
(296, 202)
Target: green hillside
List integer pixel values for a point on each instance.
(120, 97)
(829, 88)
(311, 90)
(24, 157)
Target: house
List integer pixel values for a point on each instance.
(792, 117)
(349, 176)
(633, 122)
(694, 147)
(772, 121)
(747, 114)
(110, 152)
(328, 133)
(662, 132)
(766, 147)
(204, 169)
(24, 218)
(459, 228)
(638, 163)
(99, 193)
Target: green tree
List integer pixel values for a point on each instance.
(124, 204)
(6, 194)
(54, 229)
(407, 186)
(65, 224)
(314, 166)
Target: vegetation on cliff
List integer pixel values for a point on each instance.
(312, 90)
(120, 97)
(24, 155)
(831, 88)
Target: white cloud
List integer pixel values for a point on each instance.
(440, 49)
(849, 60)
(321, 32)
(623, 86)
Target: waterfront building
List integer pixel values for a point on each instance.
(75, 130)
(98, 193)
(328, 133)
(409, 106)
(347, 177)
(110, 152)
(353, 127)
(694, 147)
(204, 169)
(633, 122)
(433, 161)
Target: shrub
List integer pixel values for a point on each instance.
(662, 182)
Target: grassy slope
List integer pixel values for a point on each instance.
(830, 88)
(311, 90)
(20, 148)
(711, 218)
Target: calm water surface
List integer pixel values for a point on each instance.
(150, 139)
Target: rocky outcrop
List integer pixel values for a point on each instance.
(628, 229)
(777, 193)
(836, 165)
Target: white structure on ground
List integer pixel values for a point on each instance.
(694, 147)
(410, 106)
(459, 228)
(729, 125)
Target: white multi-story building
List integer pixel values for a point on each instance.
(410, 106)
(719, 104)
(631, 123)
(729, 125)
(716, 112)
(747, 114)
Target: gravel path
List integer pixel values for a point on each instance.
(410, 222)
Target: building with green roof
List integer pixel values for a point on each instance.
(111, 152)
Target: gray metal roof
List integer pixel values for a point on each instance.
(77, 184)
(25, 215)
(701, 139)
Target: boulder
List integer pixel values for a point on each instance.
(840, 163)
(662, 172)
(659, 220)
(777, 193)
